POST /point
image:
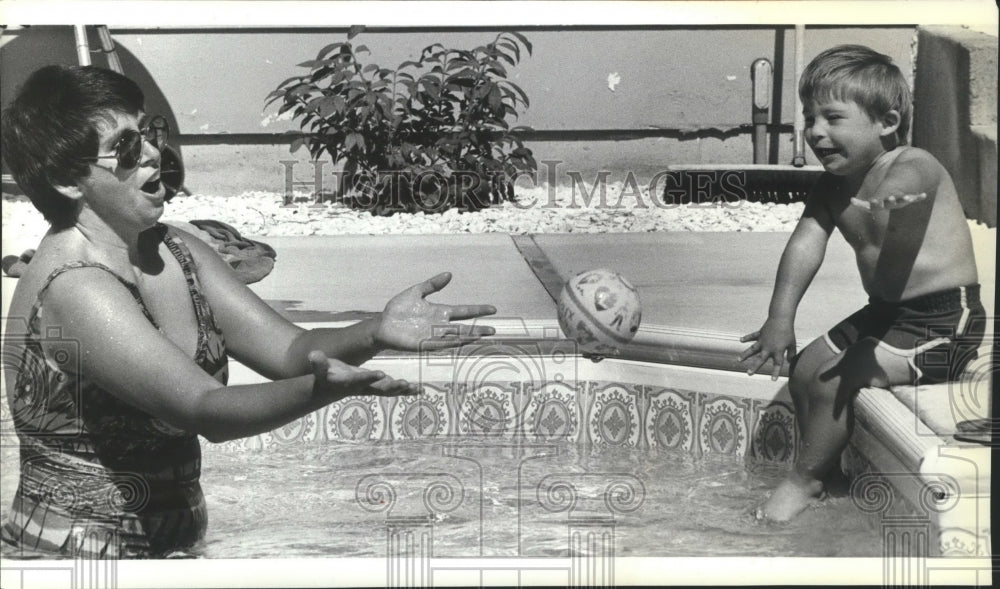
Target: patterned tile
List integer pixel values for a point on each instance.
(355, 418)
(301, 430)
(613, 418)
(488, 411)
(421, 416)
(669, 421)
(722, 429)
(774, 437)
(553, 413)
(965, 543)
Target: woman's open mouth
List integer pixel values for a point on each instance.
(152, 187)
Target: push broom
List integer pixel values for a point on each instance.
(759, 182)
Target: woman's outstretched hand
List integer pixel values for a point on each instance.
(337, 379)
(412, 323)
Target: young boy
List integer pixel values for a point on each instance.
(897, 208)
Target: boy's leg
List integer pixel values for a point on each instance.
(803, 371)
(829, 420)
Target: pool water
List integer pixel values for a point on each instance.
(506, 499)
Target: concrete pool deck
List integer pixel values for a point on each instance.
(717, 282)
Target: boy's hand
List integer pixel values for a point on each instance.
(889, 202)
(774, 340)
(336, 378)
(410, 322)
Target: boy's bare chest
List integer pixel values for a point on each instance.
(861, 228)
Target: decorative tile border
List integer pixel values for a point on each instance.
(723, 428)
(354, 419)
(593, 413)
(775, 436)
(613, 415)
(669, 422)
(422, 416)
(554, 413)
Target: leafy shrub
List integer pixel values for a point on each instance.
(430, 135)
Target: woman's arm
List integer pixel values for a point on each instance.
(259, 336)
(121, 351)
(262, 339)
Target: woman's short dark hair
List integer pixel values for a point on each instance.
(52, 123)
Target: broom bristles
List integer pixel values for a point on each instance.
(705, 183)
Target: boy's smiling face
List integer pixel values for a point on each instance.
(845, 139)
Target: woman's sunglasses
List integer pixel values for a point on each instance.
(128, 149)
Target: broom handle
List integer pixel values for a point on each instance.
(109, 48)
(799, 141)
(82, 46)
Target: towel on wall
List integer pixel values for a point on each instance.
(252, 260)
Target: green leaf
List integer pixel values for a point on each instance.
(508, 59)
(494, 98)
(354, 31)
(520, 92)
(514, 47)
(331, 105)
(289, 80)
(522, 39)
(322, 52)
(301, 90)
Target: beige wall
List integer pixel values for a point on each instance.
(684, 94)
(955, 112)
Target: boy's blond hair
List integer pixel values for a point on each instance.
(861, 75)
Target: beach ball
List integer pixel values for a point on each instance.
(600, 310)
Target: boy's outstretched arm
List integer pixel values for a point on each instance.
(910, 178)
(801, 259)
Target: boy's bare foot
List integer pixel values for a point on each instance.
(836, 484)
(791, 497)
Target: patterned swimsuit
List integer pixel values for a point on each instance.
(100, 478)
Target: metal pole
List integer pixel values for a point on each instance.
(109, 48)
(82, 47)
(799, 141)
(760, 73)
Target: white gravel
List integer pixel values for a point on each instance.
(537, 210)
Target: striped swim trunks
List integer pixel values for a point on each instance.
(938, 333)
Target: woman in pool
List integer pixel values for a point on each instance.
(119, 330)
